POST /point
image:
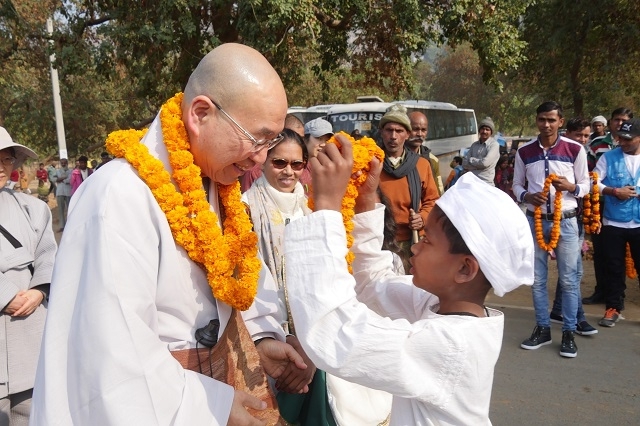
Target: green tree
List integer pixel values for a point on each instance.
(581, 53)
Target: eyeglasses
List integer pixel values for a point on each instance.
(8, 161)
(281, 163)
(257, 144)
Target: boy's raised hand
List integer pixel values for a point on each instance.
(368, 192)
(330, 174)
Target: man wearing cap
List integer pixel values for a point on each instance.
(597, 148)
(419, 131)
(549, 154)
(316, 134)
(27, 252)
(406, 180)
(598, 125)
(619, 182)
(483, 155)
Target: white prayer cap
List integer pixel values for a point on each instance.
(495, 230)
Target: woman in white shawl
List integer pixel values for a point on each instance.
(276, 199)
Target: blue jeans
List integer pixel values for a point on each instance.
(557, 301)
(567, 253)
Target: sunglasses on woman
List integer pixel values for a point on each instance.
(281, 163)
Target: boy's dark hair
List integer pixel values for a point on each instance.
(622, 111)
(550, 106)
(457, 159)
(577, 124)
(456, 243)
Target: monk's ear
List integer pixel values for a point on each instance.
(468, 268)
(196, 114)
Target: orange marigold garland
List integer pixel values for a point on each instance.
(591, 207)
(557, 217)
(193, 225)
(364, 150)
(630, 266)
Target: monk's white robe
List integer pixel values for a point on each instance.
(438, 368)
(125, 295)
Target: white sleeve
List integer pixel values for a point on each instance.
(601, 169)
(102, 360)
(377, 285)
(519, 178)
(582, 173)
(345, 338)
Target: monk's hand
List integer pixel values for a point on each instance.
(368, 191)
(32, 299)
(330, 174)
(239, 415)
(415, 220)
(275, 356)
(294, 379)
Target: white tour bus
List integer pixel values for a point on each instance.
(451, 129)
(310, 113)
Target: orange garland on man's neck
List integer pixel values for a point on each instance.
(557, 217)
(193, 225)
(364, 150)
(591, 210)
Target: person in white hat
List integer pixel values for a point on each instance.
(316, 134)
(427, 339)
(27, 252)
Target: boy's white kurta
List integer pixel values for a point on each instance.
(439, 368)
(124, 295)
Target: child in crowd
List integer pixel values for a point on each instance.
(427, 339)
(43, 191)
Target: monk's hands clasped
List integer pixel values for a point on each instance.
(330, 173)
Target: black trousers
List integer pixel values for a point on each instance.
(614, 246)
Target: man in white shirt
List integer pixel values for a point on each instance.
(483, 155)
(130, 296)
(619, 182)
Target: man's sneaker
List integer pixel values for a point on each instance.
(585, 329)
(555, 318)
(568, 346)
(610, 318)
(541, 336)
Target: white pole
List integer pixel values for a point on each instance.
(57, 103)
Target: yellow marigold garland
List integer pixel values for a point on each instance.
(364, 150)
(591, 207)
(193, 225)
(630, 266)
(557, 217)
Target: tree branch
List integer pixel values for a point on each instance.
(335, 24)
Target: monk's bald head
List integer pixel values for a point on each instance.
(231, 74)
(234, 105)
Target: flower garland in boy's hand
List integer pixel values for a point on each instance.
(364, 150)
(557, 217)
(591, 204)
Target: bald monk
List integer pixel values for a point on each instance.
(122, 300)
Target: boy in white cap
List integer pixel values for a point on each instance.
(427, 339)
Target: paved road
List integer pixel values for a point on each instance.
(601, 386)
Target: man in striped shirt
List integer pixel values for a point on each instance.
(535, 161)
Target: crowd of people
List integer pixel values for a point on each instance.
(184, 269)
